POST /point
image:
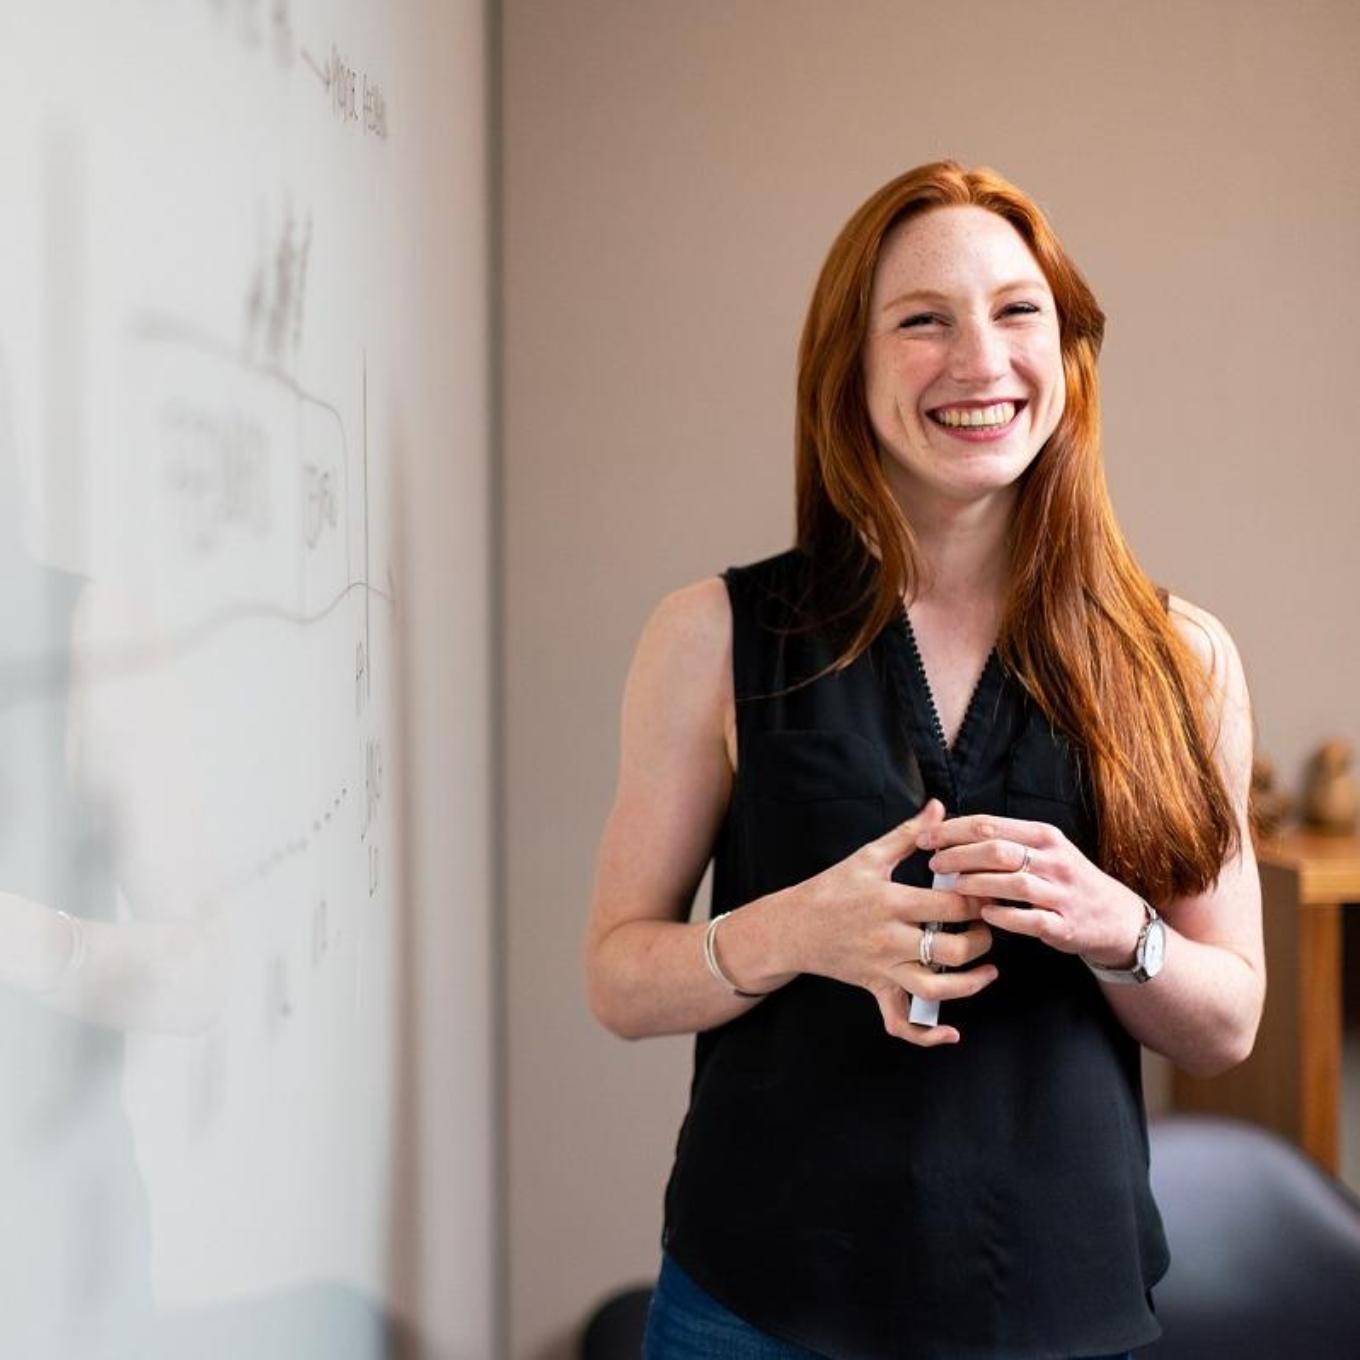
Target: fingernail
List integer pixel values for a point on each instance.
(932, 861)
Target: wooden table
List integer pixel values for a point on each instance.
(1292, 1081)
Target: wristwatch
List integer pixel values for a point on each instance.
(1149, 954)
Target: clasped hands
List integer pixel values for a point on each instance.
(866, 929)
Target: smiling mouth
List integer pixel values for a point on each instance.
(993, 416)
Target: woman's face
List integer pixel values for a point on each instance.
(963, 370)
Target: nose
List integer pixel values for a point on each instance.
(978, 354)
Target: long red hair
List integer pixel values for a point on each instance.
(1083, 629)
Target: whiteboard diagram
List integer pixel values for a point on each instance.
(206, 317)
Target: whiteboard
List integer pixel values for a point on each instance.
(206, 313)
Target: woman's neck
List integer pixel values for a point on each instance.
(966, 551)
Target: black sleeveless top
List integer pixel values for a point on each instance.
(839, 1187)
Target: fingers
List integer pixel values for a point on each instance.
(986, 827)
(1000, 856)
(1048, 926)
(893, 1003)
(932, 904)
(1039, 892)
(956, 950)
(919, 980)
(901, 841)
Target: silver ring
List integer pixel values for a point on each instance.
(1024, 863)
(925, 950)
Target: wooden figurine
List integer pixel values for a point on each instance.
(1331, 798)
(1271, 807)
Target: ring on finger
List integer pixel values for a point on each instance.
(1025, 862)
(926, 948)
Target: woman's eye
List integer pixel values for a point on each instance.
(1020, 309)
(920, 319)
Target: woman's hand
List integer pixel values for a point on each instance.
(1074, 906)
(860, 927)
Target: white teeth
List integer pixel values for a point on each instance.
(1000, 414)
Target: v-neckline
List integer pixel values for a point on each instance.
(953, 763)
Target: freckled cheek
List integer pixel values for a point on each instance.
(894, 391)
(1043, 362)
(910, 382)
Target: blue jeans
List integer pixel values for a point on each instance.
(685, 1323)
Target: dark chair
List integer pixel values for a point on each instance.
(1265, 1247)
(616, 1327)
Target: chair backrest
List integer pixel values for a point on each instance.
(1265, 1247)
(616, 1327)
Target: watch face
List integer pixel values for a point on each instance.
(1154, 949)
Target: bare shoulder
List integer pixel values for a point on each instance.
(696, 615)
(1211, 642)
(686, 645)
(683, 664)
(1213, 645)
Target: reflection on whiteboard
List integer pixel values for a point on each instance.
(199, 365)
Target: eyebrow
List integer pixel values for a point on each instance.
(929, 294)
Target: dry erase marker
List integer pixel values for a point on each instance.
(923, 1011)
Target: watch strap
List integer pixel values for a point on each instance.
(1138, 973)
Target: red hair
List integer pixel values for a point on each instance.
(1083, 629)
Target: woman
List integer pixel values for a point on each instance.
(958, 670)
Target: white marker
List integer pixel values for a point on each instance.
(923, 1011)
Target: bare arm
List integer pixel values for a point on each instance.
(1203, 1009)
(644, 961)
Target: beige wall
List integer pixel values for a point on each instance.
(673, 176)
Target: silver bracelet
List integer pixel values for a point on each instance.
(73, 959)
(711, 958)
